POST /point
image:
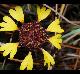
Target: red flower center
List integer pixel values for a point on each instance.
(32, 35)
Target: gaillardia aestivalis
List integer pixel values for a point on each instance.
(31, 35)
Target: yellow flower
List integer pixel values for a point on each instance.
(9, 48)
(8, 24)
(42, 13)
(55, 27)
(48, 59)
(27, 62)
(17, 14)
(56, 40)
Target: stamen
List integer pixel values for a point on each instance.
(32, 35)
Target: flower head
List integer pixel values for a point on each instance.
(31, 36)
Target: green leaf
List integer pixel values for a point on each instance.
(72, 32)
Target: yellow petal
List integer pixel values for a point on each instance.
(48, 59)
(55, 27)
(14, 50)
(9, 48)
(42, 13)
(27, 62)
(43, 9)
(17, 13)
(6, 52)
(2, 47)
(56, 40)
(8, 25)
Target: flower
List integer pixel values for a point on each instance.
(48, 58)
(31, 36)
(56, 40)
(9, 48)
(27, 62)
